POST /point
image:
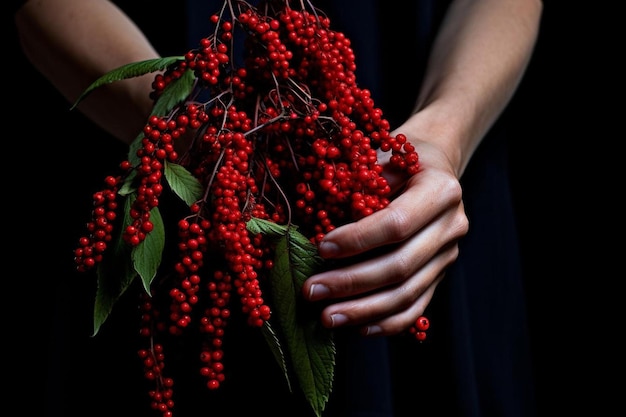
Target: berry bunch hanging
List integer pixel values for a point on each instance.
(265, 154)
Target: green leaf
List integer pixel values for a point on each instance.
(128, 187)
(275, 347)
(114, 278)
(175, 93)
(147, 255)
(134, 69)
(115, 274)
(310, 345)
(185, 185)
(266, 227)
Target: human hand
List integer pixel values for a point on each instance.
(406, 249)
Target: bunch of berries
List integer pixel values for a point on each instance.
(286, 136)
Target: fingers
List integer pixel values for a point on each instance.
(386, 293)
(426, 196)
(394, 266)
(392, 310)
(377, 272)
(401, 321)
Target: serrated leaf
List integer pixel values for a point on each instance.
(312, 349)
(115, 274)
(128, 187)
(175, 93)
(310, 345)
(114, 278)
(266, 227)
(183, 183)
(147, 255)
(134, 69)
(275, 347)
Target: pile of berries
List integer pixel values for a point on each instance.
(286, 135)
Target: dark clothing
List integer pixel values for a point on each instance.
(475, 362)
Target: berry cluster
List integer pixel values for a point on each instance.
(419, 327)
(286, 135)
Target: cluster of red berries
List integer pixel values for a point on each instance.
(418, 329)
(287, 136)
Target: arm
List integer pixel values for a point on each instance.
(477, 61)
(73, 42)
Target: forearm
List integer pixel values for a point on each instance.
(73, 42)
(477, 62)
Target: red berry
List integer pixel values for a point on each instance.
(422, 323)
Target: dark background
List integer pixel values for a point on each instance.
(568, 199)
(568, 191)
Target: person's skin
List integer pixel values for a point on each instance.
(479, 57)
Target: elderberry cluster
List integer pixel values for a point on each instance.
(286, 135)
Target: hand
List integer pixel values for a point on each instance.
(407, 247)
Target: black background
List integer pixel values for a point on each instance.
(567, 190)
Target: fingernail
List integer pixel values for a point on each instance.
(318, 292)
(328, 249)
(373, 330)
(338, 320)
